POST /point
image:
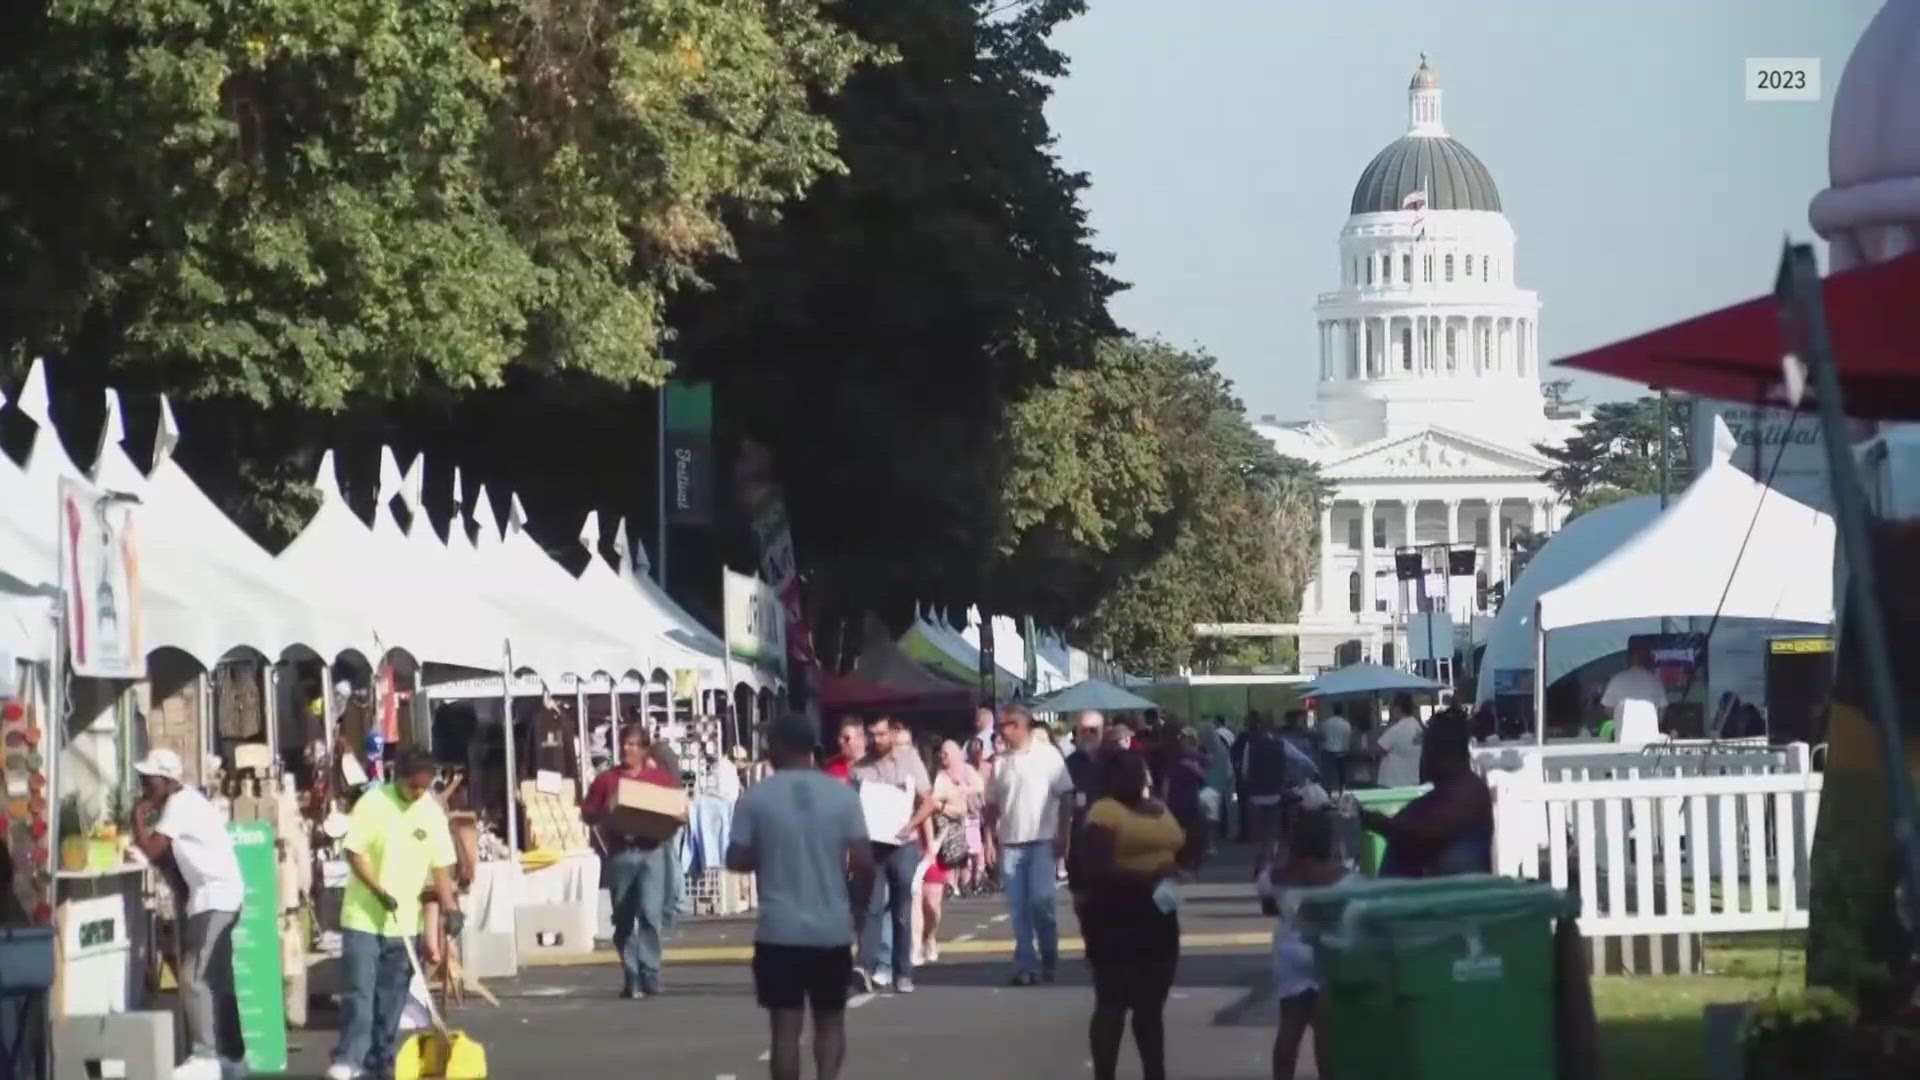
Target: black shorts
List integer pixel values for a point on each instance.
(801, 976)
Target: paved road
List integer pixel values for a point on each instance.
(964, 1022)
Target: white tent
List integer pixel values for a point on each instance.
(26, 574)
(563, 629)
(673, 638)
(412, 605)
(1566, 555)
(188, 547)
(1728, 547)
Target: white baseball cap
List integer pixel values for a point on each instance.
(163, 763)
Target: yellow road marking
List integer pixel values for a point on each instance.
(720, 954)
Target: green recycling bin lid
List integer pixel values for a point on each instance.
(1379, 798)
(1323, 910)
(1432, 914)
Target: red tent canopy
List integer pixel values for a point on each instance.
(1734, 354)
(857, 692)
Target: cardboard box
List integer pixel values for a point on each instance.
(647, 811)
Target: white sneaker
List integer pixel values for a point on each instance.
(342, 1072)
(933, 952)
(198, 1068)
(880, 978)
(919, 957)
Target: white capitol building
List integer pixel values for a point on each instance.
(1429, 397)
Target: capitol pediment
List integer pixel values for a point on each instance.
(1434, 452)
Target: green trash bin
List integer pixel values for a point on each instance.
(1437, 978)
(1371, 848)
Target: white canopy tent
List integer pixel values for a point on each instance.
(673, 638)
(412, 607)
(1566, 555)
(191, 551)
(1729, 547)
(566, 630)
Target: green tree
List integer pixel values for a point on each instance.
(339, 204)
(876, 336)
(1615, 454)
(1139, 486)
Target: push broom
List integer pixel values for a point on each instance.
(439, 1054)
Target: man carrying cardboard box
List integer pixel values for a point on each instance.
(637, 807)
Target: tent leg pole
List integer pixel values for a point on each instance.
(513, 772)
(1539, 680)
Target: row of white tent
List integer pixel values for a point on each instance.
(344, 586)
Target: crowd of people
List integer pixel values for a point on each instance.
(1121, 816)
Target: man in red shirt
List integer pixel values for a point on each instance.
(637, 870)
(852, 744)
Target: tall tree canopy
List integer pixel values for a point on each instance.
(1140, 502)
(1616, 453)
(875, 335)
(330, 204)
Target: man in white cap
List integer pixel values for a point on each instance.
(176, 826)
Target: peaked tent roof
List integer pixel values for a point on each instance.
(1368, 679)
(1729, 546)
(1093, 694)
(1566, 555)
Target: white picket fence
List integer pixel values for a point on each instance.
(1673, 854)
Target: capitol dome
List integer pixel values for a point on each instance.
(1426, 159)
(1455, 179)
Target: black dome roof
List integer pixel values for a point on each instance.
(1455, 179)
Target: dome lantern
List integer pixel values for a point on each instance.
(1423, 102)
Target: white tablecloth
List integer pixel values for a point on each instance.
(573, 880)
(495, 894)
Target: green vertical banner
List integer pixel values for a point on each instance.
(256, 950)
(689, 450)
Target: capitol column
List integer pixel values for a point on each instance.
(1326, 558)
(1366, 556)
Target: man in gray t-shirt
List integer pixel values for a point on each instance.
(891, 760)
(803, 835)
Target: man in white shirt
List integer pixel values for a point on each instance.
(1030, 801)
(1336, 739)
(1399, 745)
(804, 837)
(178, 829)
(1635, 697)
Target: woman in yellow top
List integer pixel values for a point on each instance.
(1130, 845)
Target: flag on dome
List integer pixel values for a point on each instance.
(1415, 200)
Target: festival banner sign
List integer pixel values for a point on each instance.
(256, 949)
(689, 440)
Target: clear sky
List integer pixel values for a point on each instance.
(1224, 137)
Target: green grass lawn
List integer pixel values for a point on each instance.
(1652, 1026)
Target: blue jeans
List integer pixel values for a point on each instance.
(892, 894)
(638, 882)
(374, 993)
(1028, 873)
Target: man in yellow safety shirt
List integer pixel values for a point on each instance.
(397, 839)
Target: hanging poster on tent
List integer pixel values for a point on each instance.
(755, 621)
(101, 582)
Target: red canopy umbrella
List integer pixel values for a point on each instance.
(1734, 354)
